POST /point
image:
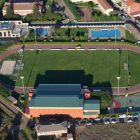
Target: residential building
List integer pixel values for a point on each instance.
(52, 129)
(63, 99)
(22, 8)
(104, 6)
(132, 7)
(9, 29)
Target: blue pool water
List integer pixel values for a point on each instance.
(105, 33)
(42, 32)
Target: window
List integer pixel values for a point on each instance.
(4, 33)
(16, 35)
(0, 33)
(19, 23)
(13, 35)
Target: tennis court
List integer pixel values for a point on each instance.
(124, 104)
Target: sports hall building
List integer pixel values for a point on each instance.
(63, 99)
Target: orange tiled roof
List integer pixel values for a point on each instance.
(23, 6)
(104, 4)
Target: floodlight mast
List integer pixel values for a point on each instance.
(118, 78)
(22, 84)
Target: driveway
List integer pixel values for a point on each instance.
(66, 11)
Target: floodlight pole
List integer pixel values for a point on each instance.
(118, 78)
(35, 35)
(23, 84)
(115, 34)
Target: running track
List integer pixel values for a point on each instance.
(113, 90)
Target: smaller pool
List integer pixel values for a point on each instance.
(105, 33)
(42, 32)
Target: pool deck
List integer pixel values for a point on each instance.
(121, 29)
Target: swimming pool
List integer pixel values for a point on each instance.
(42, 32)
(105, 33)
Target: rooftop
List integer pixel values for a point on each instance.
(92, 105)
(53, 127)
(105, 4)
(58, 95)
(24, 5)
(130, 2)
(11, 98)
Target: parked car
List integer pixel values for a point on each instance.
(101, 121)
(129, 120)
(113, 121)
(105, 117)
(136, 115)
(135, 119)
(94, 123)
(89, 123)
(121, 120)
(122, 116)
(32, 127)
(97, 119)
(107, 122)
(129, 115)
(78, 47)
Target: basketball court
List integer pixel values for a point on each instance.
(7, 67)
(126, 103)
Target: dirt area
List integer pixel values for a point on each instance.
(86, 14)
(126, 131)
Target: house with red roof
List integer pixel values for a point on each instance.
(132, 7)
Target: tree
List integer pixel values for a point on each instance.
(35, 14)
(76, 38)
(81, 37)
(28, 17)
(66, 37)
(57, 26)
(114, 13)
(9, 12)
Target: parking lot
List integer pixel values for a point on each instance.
(72, 123)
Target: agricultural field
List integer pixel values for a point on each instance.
(126, 131)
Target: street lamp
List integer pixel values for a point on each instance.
(115, 34)
(35, 34)
(22, 84)
(118, 78)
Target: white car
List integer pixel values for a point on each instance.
(106, 122)
(89, 123)
(113, 121)
(122, 116)
(129, 121)
(97, 119)
(129, 115)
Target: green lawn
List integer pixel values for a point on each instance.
(130, 36)
(100, 68)
(97, 15)
(1, 5)
(62, 33)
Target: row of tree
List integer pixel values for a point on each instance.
(49, 15)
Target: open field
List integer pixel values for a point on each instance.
(100, 68)
(126, 131)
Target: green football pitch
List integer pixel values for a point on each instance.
(90, 68)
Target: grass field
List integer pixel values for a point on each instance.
(100, 68)
(125, 131)
(1, 5)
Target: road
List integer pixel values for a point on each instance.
(114, 91)
(18, 115)
(66, 11)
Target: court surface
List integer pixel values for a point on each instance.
(124, 104)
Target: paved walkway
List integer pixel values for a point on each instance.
(113, 90)
(65, 9)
